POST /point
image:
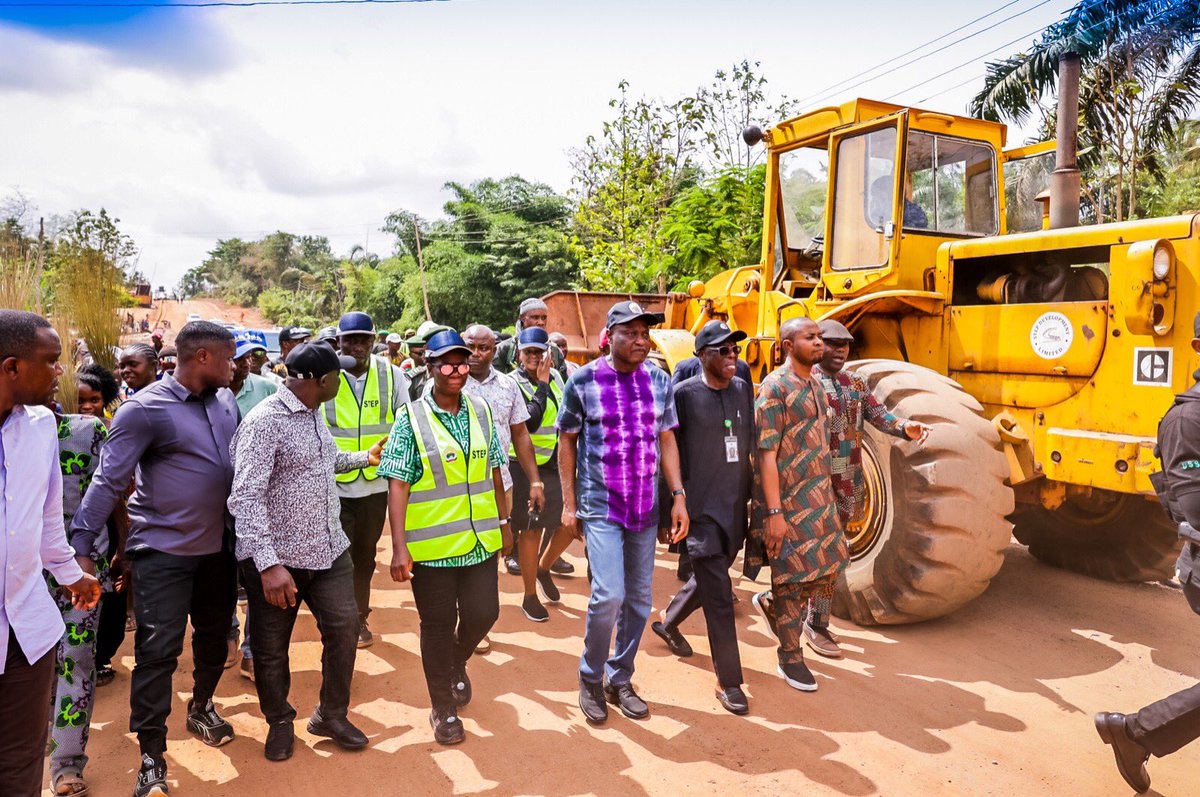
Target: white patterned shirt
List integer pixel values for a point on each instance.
(284, 461)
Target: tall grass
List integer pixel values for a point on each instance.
(88, 290)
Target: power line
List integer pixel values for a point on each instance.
(210, 4)
(1094, 26)
(840, 87)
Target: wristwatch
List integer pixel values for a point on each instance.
(775, 511)
(676, 493)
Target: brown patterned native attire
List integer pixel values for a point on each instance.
(792, 418)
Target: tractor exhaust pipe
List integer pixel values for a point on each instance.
(1064, 182)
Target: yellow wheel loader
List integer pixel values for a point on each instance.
(1042, 353)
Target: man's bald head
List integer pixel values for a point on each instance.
(800, 339)
(794, 325)
(482, 342)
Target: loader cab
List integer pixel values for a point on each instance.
(866, 192)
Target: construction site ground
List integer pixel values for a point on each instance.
(994, 700)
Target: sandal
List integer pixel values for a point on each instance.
(68, 783)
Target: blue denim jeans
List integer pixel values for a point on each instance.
(622, 562)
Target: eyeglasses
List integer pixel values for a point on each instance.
(449, 369)
(725, 351)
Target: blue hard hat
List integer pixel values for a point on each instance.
(533, 338)
(444, 342)
(356, 322)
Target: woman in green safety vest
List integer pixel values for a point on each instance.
(446, 506)
(542, 387)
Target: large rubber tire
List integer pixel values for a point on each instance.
(1114, 537)
(942, 521)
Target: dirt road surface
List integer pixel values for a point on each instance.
(995, 700)
(176, 313)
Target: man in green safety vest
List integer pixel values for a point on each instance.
(368, 401)
(446, 507)
(542, 387)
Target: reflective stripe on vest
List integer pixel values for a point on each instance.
(453, 504)
(357, 425)
(545, 439)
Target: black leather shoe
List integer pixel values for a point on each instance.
(675, 641)
(623, 697)
(340, 730)
(1131, 756)
(447, 727)
(280, 741)
(562, 567)
(591, 702)
(733, 699)
(460, 686)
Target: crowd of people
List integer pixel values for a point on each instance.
(475, 452)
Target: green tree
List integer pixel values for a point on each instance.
(1140, 78)
(715, 225)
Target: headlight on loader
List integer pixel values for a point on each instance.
(1164, 258)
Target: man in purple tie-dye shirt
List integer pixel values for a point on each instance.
(615, 427)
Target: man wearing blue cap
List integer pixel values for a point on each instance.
(372, 392)
(249, 390)
(542, 387)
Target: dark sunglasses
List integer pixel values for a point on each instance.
(449, 369)
(725, 351)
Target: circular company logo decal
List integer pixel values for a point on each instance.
(1051, 335)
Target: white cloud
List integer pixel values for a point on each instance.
(323, 120)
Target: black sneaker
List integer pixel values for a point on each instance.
(512, 565)
(105, 675)
(281, 739)
(534, 609)
(591, 702)
(547, 588)
(460, 686)
(675, 641)
(623, 696)
(562, 567)
(340, 729)
(152, 778)
(365, 638)
(207, 725)
(797, 675)
(447, 727)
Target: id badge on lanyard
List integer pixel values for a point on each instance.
(731, 443)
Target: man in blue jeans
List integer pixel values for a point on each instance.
(615, 425)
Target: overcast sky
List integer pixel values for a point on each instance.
(193, 124)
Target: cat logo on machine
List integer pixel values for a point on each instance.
(1051, 335)
(1152, 367)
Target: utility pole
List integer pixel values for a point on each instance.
(421, 265)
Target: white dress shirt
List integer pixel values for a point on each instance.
(34, 538)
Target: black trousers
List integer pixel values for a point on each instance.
(25, 689)
(110, 629)
(362, 520)
(329, 595)
(167, 589)
(710, 588)
(1165, 726)
(457, 606)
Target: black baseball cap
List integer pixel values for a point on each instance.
(626, 312)
(294, 333)
(715, 333)
(314, 360)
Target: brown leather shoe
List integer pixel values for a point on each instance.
(822, 641)
(1131, 756)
